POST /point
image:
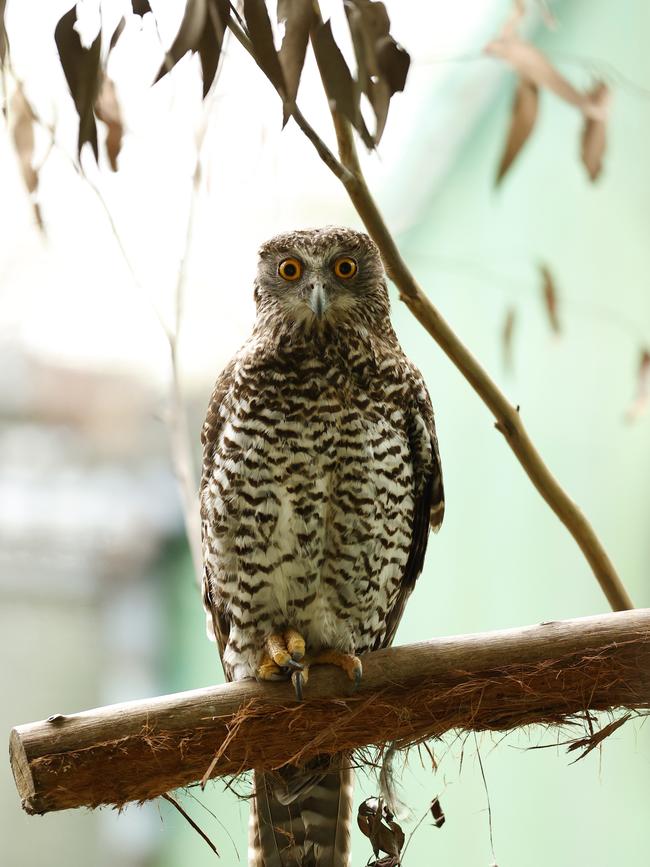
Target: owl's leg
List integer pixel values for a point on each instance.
(350, 664)
(282, 655)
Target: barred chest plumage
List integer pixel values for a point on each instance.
(310, 500)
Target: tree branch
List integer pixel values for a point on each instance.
(508, 420)
(489, 681)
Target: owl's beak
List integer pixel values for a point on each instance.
(318, 300)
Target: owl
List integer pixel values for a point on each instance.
(321, 479)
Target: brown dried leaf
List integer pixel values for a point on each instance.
(522, 122)
(381, 63)
(550, 296)
(117, 33)
(393, 62)
(642, 399)
(212, 40)
(261, 34)
(337, 80)
(4, 39)
(22, 131)
(188, 36)
(299, 16)
(506, 338)
(107, 109)
(531, 63)
(82, 72)
(594, 133)
(140, 7)
(377, 823)
(595, 738)
(437, 813)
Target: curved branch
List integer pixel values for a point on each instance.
(548, 674)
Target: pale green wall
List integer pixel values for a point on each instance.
(502, 559)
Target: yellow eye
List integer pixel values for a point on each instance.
(345, 267)
(290, 269)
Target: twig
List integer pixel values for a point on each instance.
(191, 822)
(487, 796)
(508, 420)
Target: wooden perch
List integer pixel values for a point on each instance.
(498, 680)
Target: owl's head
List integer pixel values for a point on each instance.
(315, 277)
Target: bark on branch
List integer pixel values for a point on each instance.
(136, 751)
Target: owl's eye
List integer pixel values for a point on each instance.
(345, 267)
(290, 269)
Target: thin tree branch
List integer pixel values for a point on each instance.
(190, 821)
(551, 673)
(508, 420)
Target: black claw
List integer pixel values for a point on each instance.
(357, 677)
(292, 663)
(297, 684)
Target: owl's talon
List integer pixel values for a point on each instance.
(297, 680)
(292, 663)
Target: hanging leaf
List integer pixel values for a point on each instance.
(337, 80)
(522, 122)
(4, 39)
(437, 813)
(261, 34)
(119, 30)
(82, 72)
(393, 62)
(377, 823)
(188, 36)
(22, 132)
(550, 296)
(506, 338)
(107, 110)
(299, 16)
(201, 30)
(594, 133)
(212, 40)
(642, 398)
(140, 7)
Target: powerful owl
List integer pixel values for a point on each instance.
(321, 479)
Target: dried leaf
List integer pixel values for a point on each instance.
(299, 16)
(594, 134)
(261, 34)
(530, 63)
(117, 33)
(385, 835)
(595, 738)
(337, 80)
(4, 39)
(188, 36)
(437, 813)
(22, 131)
(140, 7)
(107, 110)
(522, 122)
(393, 62)
(642, 399)
(506, 338)
(212, 40)
(82, 72)
(550, 296)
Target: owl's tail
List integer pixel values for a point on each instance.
(301, 817)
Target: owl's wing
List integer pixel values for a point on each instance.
(429, 498)
(218, 621)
